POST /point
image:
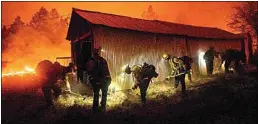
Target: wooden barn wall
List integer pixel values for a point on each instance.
(124, 47)
(173, 45)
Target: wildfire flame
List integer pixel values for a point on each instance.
(27, 70)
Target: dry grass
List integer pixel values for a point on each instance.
(218, 99)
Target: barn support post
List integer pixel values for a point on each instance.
(250, 47)
(187, 46)
(71, 52)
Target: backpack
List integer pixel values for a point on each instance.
(148, 70)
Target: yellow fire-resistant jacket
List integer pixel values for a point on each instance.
(176, 67)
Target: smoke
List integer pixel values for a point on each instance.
(29, 46)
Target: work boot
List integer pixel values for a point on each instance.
(184, 94)
(143, 100)
(103, 109)
(95, 110)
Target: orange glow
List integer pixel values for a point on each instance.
(211, 14)
(23, 51)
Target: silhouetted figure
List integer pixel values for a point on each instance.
(99, 78)
(48, 74)
(209, 57)
(44, 71)
(142, 75)
(231, 55)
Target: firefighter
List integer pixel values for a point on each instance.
(178, 70)
(47, 77)
(99, 78)
(231, 55)
(209, 58)
(142, 74)
(48, 74)
(188, 66)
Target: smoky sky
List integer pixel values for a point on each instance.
(210, 14)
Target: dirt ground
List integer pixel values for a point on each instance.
(212, 100)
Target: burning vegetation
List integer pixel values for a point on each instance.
(25, 44)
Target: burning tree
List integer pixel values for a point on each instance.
(5, 33)
(17, 25)
(50, 23)
(12, 30)
(28, 43)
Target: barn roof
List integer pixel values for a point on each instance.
(153, 26)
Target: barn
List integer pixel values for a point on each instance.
(129, 41)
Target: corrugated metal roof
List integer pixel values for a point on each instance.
(154, 26)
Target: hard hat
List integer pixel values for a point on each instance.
(136, 68)
(175, 59)
(97, 48)
(128, 70)
(166, 56)
(56, 63)
(212, 47)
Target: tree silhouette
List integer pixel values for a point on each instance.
(54, 13)
(245, 18)
(5, 33)
(39, 18)
(149, 14)
(50, 24)
(13, 29)
(16, 25)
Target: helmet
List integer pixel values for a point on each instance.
(136, 68)
(212, 47)
(166, 56)
(56, 64)
(128, 70)
(97, 48)
(175, 59)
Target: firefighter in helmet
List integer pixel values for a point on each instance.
(178, 70)
(209, 58)
(231, 55)
(142, 74)
(99, 78)
(46, 75)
